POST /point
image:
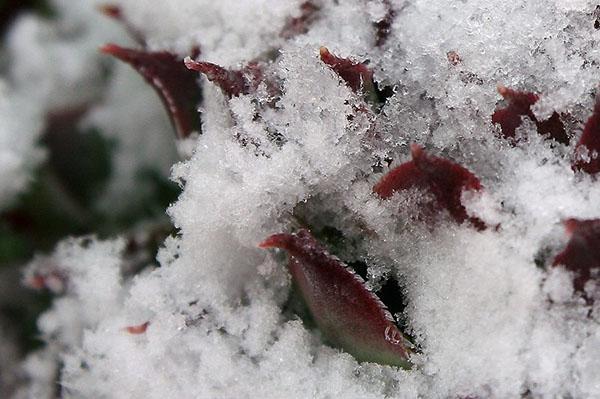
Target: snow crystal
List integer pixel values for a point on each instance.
(21, 126)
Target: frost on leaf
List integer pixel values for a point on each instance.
(347, 313)
(299, 25)
(587, 150)
(233, 82)
(519, 104)
(582, 253)
(174, 83)
(444, 179)
(356, 75)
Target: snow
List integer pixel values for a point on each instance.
(52, 66)
(57, 61)
(20, 129)
(132, 116)
(488, 321)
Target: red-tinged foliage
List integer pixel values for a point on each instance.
(356, 75)
(589, 143)
(175, 84)
(138, 329)
(115, 12)
(347, 313)
(444, 179)
(582, 253)
(384, 26)
(299, 25)
(519, 104)
(453, 58)
(234, 82)
(53, 280)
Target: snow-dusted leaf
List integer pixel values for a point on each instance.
(347, 313)
(519, 105)
(357, 75)
(587, 150)
(233, 82)
(444, 179)
(299, 25)
(175, 84)
(582, 253)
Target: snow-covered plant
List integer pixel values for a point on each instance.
(376, 199)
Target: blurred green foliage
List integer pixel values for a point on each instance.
(61, 202)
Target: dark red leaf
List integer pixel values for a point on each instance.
(519, 104)
(233, 82)
(115, 12)
(138, 329)
(589, 143)
(175, 84)
(355, 74)
(582, 253)
(51, 279)
(299, 25)
(444, 179)
(346, 312)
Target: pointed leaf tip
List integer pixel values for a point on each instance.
(356, 75)
(232, 82)
(174, 83)
(275, 241)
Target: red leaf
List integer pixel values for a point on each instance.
(299, 25)
(232, 82)
(582, 253)
(138, 329)
(590, 143)
(444, 179)
(175, 84)
(519, 104)
(347, 313)
(47, 277)
(356, 75)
